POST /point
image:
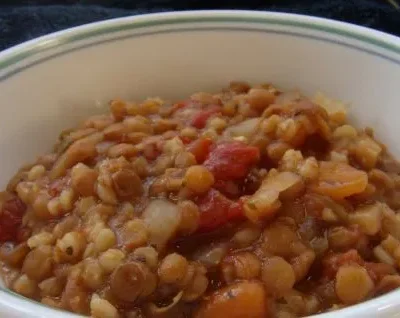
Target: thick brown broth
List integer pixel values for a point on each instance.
(251, 202)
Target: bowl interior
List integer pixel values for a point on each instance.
(51, 84)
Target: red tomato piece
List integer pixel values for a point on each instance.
(200, 148)
(11, 219)
(199, 120)
(151, 152)
(216, 210)
(379, 270)
(55, 187)
(232, 160)
(185, 140)
(332, 262)
(227, 187)
(180, 105)
(23, 234)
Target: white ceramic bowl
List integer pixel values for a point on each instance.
(48, 84)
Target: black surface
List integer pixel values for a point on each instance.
(24, 20)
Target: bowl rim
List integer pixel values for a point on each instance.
(19, 53)
(373, 38)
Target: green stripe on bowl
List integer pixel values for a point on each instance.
(103, 28)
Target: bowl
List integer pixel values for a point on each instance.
(49, 83)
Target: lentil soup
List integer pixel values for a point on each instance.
(251, 202)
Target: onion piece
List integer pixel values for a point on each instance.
(162, 219)
(245, 128)
(155, 310)
(211, 256)
(102, 147)
(264, 203)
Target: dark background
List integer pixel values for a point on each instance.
(21, 20)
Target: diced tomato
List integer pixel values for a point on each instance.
(200, 148)
(54, 189)
(23, 234)
(199, 120)
(379, 270)
(11, 219)
(216, 210)
(387, 284)
(376, 271)
(332, 262)
(227, 187)
(180, 105)
(151, 152)
(185, 140)
(232, 160)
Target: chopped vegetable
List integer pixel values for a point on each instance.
(232, 160)
(243, 129)
(339, 180)
(265, 202)
(240, 300)
(11, 215)
(162, 219)
(216, 210)
(332, 262)
(200, 149)
(199, 120)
